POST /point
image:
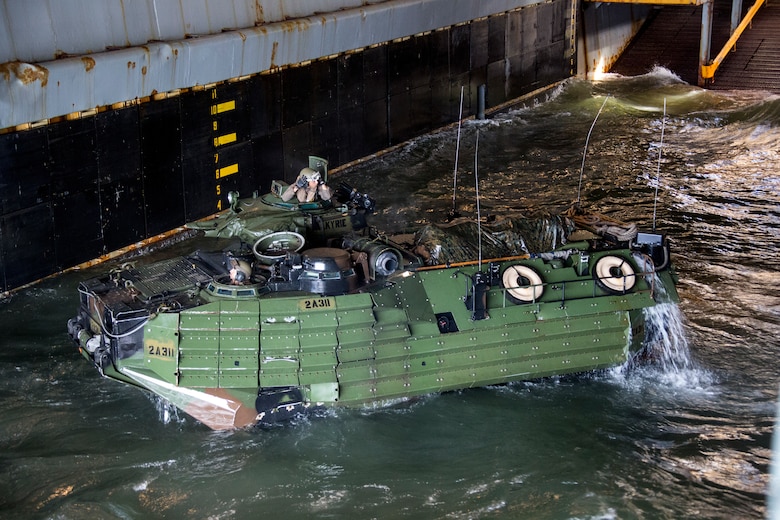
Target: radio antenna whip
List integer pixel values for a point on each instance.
(453, 213)
(479, 216)
(658, 170)
(585, 151)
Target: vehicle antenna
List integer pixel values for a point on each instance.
(479, 217)
(454, 212)
(585, 151)
(658, 170)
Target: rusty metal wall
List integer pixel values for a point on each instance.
(605, 32)
(43, 90)
(76, 188)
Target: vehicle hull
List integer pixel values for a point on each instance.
(231, 363)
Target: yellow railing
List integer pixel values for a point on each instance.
(708, 71)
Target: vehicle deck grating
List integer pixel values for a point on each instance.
(167, 277)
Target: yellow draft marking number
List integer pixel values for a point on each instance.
(316, 303)
(219, 108)
(222, 140)
(225, 139)
(227, 170)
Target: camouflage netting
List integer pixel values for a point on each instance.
(459, 241)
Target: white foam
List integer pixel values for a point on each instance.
(670, 362)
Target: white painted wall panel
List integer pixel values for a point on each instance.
(74, 21)
(136, 19)
(167, 23)
(28, 25)
(6, 42)
(40, 30)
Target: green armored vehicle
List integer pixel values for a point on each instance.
(312, 308)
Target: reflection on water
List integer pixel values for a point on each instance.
(684, 436)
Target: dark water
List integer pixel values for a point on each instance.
(686, 437)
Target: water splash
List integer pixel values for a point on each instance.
(666, 358)
(166, 411)
(666, 341)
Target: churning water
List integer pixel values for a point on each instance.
(685, 435)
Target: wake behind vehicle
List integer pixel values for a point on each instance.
(311, 307)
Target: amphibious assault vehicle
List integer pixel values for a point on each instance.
(311, 307)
